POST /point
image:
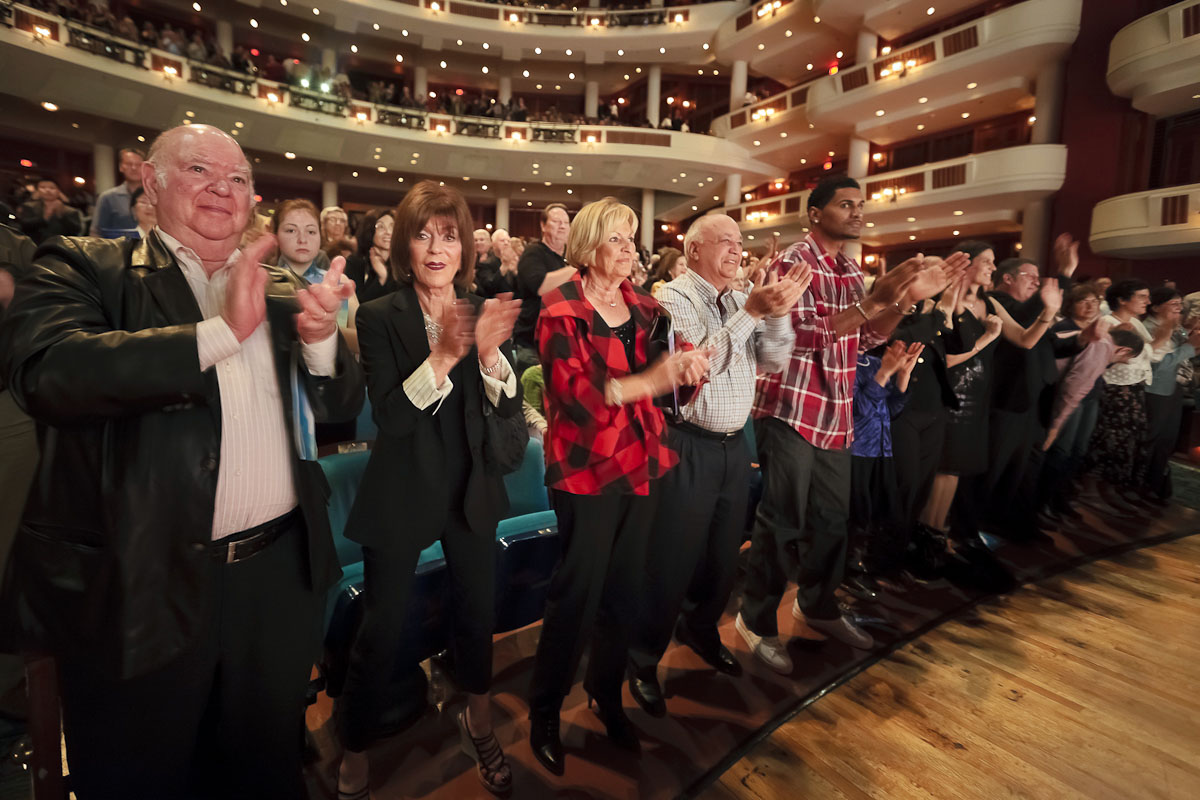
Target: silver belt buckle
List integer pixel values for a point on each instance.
(229, 552)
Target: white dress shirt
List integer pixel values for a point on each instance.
(254, 478)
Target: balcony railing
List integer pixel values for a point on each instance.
(1152, 60)
(1159, 222)
(762, 112)
(533, 14)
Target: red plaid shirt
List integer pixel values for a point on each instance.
(592, 447)
(815, 391)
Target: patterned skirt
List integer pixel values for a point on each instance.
(1115, 450)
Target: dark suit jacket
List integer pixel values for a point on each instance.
(1027, 376)
(110, 563)
(404, 491)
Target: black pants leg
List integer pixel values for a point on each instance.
(1164, 415)
(692, 547)
(917, 441)
(595, 587)
(220, 721)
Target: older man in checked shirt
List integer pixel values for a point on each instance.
(803, 419)
(692, 552)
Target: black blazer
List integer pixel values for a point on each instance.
(111, 560)
(1029, 375)
(404, 491)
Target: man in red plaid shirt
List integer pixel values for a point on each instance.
(803, 421)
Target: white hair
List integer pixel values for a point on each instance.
(697, 230)
(497, 232)
(162, 149)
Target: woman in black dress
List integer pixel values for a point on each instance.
(369, 268)
(432, 358)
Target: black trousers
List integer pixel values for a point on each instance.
(1164, 416)
(388, 577)
(692, 552)
(1008, 491)
(917, 440)
(223, 720)
(800, 527)
(594, 591)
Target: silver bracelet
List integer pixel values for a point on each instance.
(613, 394)
(492, 368)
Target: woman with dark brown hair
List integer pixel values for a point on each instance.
(671, 264)
(432, 357)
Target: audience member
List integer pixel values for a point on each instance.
(114, 215)
(701, 512)
(48, 214)
(671, 264)
(143, 213)
(606, 447)
(541, 268)
(334, 225)
(498, 273)
(184, 654)
(1173, 350)
(369, 266)
(432, 355)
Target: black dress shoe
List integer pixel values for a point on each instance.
(620, 730)
(546, 744)
(720, 659)
(860, 586)
(647, 693)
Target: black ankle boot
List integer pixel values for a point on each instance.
(546, 743)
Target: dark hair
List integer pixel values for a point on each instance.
(826, 189)
(366, 229)
(1080, 292)
(545, 216)
(1130, 339)
(135, 195)
(1162, 294)
(1123, 290)
(972, 247)
(423, 202)
(137, 151)
(666, 260)
(1009, 266)
(44, 179)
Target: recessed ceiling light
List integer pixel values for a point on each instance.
(460, 42)
(921, 127)
(627, 76)
(382, 169)
(527, 202)
(788, 33)
(620, 52)
(912, 238)
(304, 36)
(525, 73)
(316, 11)
(399, 58)
(1034, 119)
(309, 167)
(569, 191)
(547, 183)
(958, 213)
(558, 86)
(817, 20)
(954, 233)
(484, 70)
(537, 166)
(537, 172)
(705, 45)
(638, 70)
(253, 23)
(375, 25)
(568, 51)
(912, 219)
(809, 66)
(762, 46)
(839, 54)
(972, 85)
(289, 154)
(662, 50)
(757, 143)
(141, 138)
(929, 11)
(537, 50)
(539, 86)
(195, 6)
(783, 134)
(416, 155)
(571, 75)
(442, 64)
(966, 114)
(869, 225)
(484, 187)
(353, 48)
(403, 31)
(354, 174)
(879, 112)
(922, 99)
(399, 180)
(804, 161)
(413, 161)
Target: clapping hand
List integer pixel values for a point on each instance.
(775, 295)
(457, 321)
(494, 326)
(1051, 294)
(320, 303)
(936, 275)
(992, 327)
(685, 368)
(890, 287)
(911, 355)
(1066, 254)
(245, 295)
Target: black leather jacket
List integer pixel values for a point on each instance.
(99, 347)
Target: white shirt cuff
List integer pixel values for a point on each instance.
(321, 357)
(215, 342)
(421, 390)
(494, 384)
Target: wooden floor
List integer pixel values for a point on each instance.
(1087, 686)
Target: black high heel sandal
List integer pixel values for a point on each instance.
(494, 772)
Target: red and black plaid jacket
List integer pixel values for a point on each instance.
(592, 447)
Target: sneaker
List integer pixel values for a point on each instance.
(841, 628)
(768, 649)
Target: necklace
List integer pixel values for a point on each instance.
(611, 303)
(433, 328)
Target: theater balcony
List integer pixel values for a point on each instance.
(1155, 60)
(777, 129)
(1161, 223)
(937, 82)
(889, 20)
(978, 193)
(47, 60)
(515, 32)
(780, 38)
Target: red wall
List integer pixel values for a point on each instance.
(1108, 146)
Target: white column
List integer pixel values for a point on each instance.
(225, 36)
(860, 158)
(733, 190)
(737, 85)
(593, 3)
(421, 85)
(867, 41)
(104, 167)
(1035, 230)
(502, 212)
(329, 193)
(591, 100)
(505, 89)
(1048, 104)
(653, 94)
(646, 224)
(329, 59)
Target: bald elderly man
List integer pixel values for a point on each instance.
(175, 550)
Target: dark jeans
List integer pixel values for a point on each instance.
(1164, 415)
(1066, 455)
(692, 552)
(594, 593)
(1007, 492)
(388, 573)
(800, 527)
(224, 719)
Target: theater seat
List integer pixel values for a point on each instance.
(526, 487)
(365, 428)
(528, 550)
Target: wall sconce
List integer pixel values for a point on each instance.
(513, 18)
(361, 116)
(441, 129)
(595, 21)
(272, 97)
(591, 139)
(170, 71)
(516, 136)
(40, 33)
(435, 6)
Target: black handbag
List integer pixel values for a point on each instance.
(662, 342)
(504, 440)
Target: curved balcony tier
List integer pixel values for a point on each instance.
(779, 38)
(985, 191)
(1161, 223)
(1155, 60)
(157, 90)
(942, 80)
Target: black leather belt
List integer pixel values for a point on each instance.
(705, 433)
(240, 546)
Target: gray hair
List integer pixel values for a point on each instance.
(696, 231)
(160, 148)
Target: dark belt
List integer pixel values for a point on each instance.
(240, 546)
(705, 433)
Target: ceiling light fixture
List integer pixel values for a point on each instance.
(304, 36)
(253, 23)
